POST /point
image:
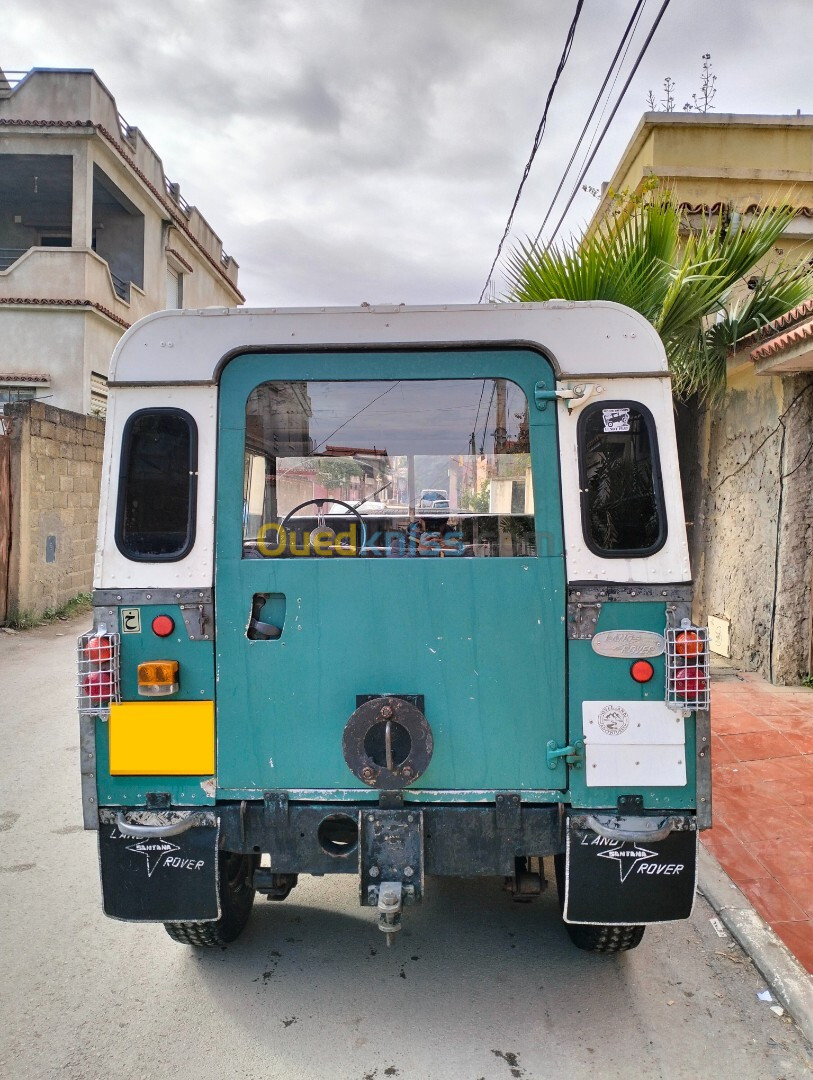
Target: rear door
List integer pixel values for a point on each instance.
(460, 607)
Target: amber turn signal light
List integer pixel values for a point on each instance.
(688, 643)
(642, 671)
(158, 678)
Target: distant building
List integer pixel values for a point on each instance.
(747, 462)
(711, 161)
(93, 236)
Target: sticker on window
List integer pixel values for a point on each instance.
(616, 419)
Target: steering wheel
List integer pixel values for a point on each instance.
(320, 518)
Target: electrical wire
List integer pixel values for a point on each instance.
(353, 417)
(626, 38)
(485, 422)
(605, 129)
(537, 139)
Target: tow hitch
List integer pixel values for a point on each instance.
(390, 864)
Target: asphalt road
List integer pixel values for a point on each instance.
(478, 988)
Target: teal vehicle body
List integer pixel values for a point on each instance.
(295, 667)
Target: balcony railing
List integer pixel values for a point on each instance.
(12, 78)
(174, 192)
(70, 274)
(121, 286)
(9, 256)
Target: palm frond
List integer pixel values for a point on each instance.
(683, 281)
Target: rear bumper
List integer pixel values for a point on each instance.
(458, 841)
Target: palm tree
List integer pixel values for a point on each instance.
(689, 283)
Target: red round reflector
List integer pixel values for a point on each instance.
(642, 671)
(162, 625)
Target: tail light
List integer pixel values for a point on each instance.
(97, 671)
(158, 678)
(687, 667)
(642, 671)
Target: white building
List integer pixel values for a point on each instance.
(92, 237)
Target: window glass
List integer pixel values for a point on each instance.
(157, 487)
(11, 394)
(390, 469)
(622, 508)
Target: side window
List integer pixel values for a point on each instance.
(155, 520)
(621, 492)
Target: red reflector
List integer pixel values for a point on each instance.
(162, 625)
(642, 671)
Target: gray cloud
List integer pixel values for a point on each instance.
(370, 149)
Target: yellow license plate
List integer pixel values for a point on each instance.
(162, 738)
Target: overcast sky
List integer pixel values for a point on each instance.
(370, 150)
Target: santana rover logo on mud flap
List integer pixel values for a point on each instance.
(627, 858)
(155, 851)
(613, 720)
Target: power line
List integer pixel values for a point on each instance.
(626, 38)
(537, 139)
(355, 414)
(604, 130)
(485, 422)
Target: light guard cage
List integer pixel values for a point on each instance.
(98, 671)
(687, 667)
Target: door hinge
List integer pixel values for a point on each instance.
(543, 394)
(575, 396)
(572, 755)
(582, 621)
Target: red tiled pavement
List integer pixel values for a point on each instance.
(762, 766)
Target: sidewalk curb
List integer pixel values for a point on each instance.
(788, 980)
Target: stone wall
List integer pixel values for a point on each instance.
(56, 465)
(750, 498)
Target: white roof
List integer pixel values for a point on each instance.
(580, 339)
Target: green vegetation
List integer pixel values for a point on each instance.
(689, 282)
(27, 620)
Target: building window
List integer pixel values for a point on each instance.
(9, 394)
(58, 240)
(98, 394)
(174, 288)
(155, 520)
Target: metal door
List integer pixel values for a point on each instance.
(479, 641)
(5, 514)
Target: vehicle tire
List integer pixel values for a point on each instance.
(599, 938)
(236, 899)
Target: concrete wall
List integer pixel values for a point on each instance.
(160, 231)
(56, 463)
(749, 496)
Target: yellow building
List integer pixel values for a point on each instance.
(747, 462)
(710, 160)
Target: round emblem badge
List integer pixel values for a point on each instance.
(613, 720)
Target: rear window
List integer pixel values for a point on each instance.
(156, 508)
(388, 469)
(621, 492)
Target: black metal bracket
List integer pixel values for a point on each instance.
(158, 800)
(391, 800)
(414, 699)
(508, 808)
(390, 850)
(277, 806)
(630, 804)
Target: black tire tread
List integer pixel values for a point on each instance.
(236, 899)
(605, 939)
(204, 935)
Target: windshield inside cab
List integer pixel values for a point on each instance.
(388, 469)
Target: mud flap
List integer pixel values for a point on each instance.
(160, 879)
(623, 883)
